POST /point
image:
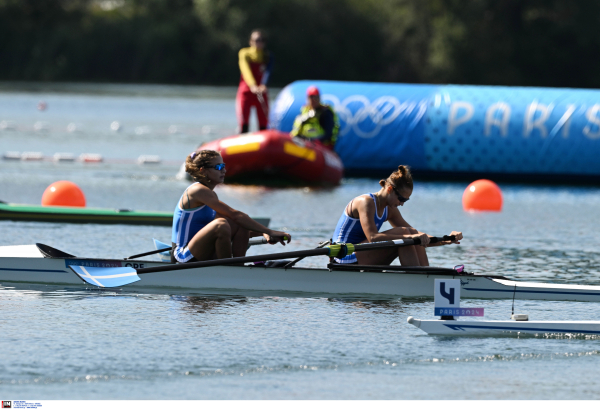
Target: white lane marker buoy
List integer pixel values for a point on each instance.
(115, 126)
(8, 125)
(63, 157)
(41, 126)
(149, 159)
(32, 156)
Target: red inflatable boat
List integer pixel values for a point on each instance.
(275, 157)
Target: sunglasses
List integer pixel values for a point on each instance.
(400, 197)
(218, 166)
(259, 40)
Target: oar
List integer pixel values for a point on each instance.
(293, 262)
(120, 276)
(147, 253)
(252, 242)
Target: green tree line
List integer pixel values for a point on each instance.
(508, 42)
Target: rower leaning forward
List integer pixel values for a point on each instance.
(205, 228)
(363, 217)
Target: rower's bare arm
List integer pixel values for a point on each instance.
(366, 209)
(366, 212)
(194, 196)
(272, 236)
(396, 219)
(242, 219)
(237, 216)
(200, 195)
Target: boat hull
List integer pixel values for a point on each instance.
(20, 269)
(504, 328)
(64, 214)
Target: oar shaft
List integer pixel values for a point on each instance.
(327, 251)
(252, 242)
(148, 253)
(234, 260)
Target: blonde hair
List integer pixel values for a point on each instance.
(198, 160)
(399, 179)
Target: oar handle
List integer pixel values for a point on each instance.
(438, 239)
(390, 243)
(254, 241)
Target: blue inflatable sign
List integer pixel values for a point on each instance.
(456, 128)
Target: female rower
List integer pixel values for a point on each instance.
(204, 228)
(361, 220)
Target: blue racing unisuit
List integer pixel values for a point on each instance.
(186, 223)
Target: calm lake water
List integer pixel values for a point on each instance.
(61, 343)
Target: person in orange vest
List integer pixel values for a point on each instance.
(256, 64)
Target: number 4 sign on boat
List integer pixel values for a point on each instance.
(447, 300)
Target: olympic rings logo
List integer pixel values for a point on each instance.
(368, 118)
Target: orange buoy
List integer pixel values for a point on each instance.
(482, 195)
(63, 193)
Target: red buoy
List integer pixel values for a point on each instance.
(63, 193)
(482, 195)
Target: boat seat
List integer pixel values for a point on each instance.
(276, 263)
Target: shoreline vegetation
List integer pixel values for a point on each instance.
(195, 42)
(126, 89)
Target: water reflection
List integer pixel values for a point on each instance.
(206, 304)
(42, 291)
(378, 306)
(559, 266)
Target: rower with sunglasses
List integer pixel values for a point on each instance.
(364, 215)
(205, 228)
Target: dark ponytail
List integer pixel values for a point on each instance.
(402, 178)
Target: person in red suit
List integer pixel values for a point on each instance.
(255, 67)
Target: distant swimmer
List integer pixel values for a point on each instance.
(256, 64)
(205, 228)
(364, 215)
(317, 121)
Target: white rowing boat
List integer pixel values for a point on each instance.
(507, 328)
(26, 264)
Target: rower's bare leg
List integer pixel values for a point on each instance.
(384, 257)
(409, 256)
(239, 239)
(212, 240)
(422, 255)
(381, 257)
(420, 251)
